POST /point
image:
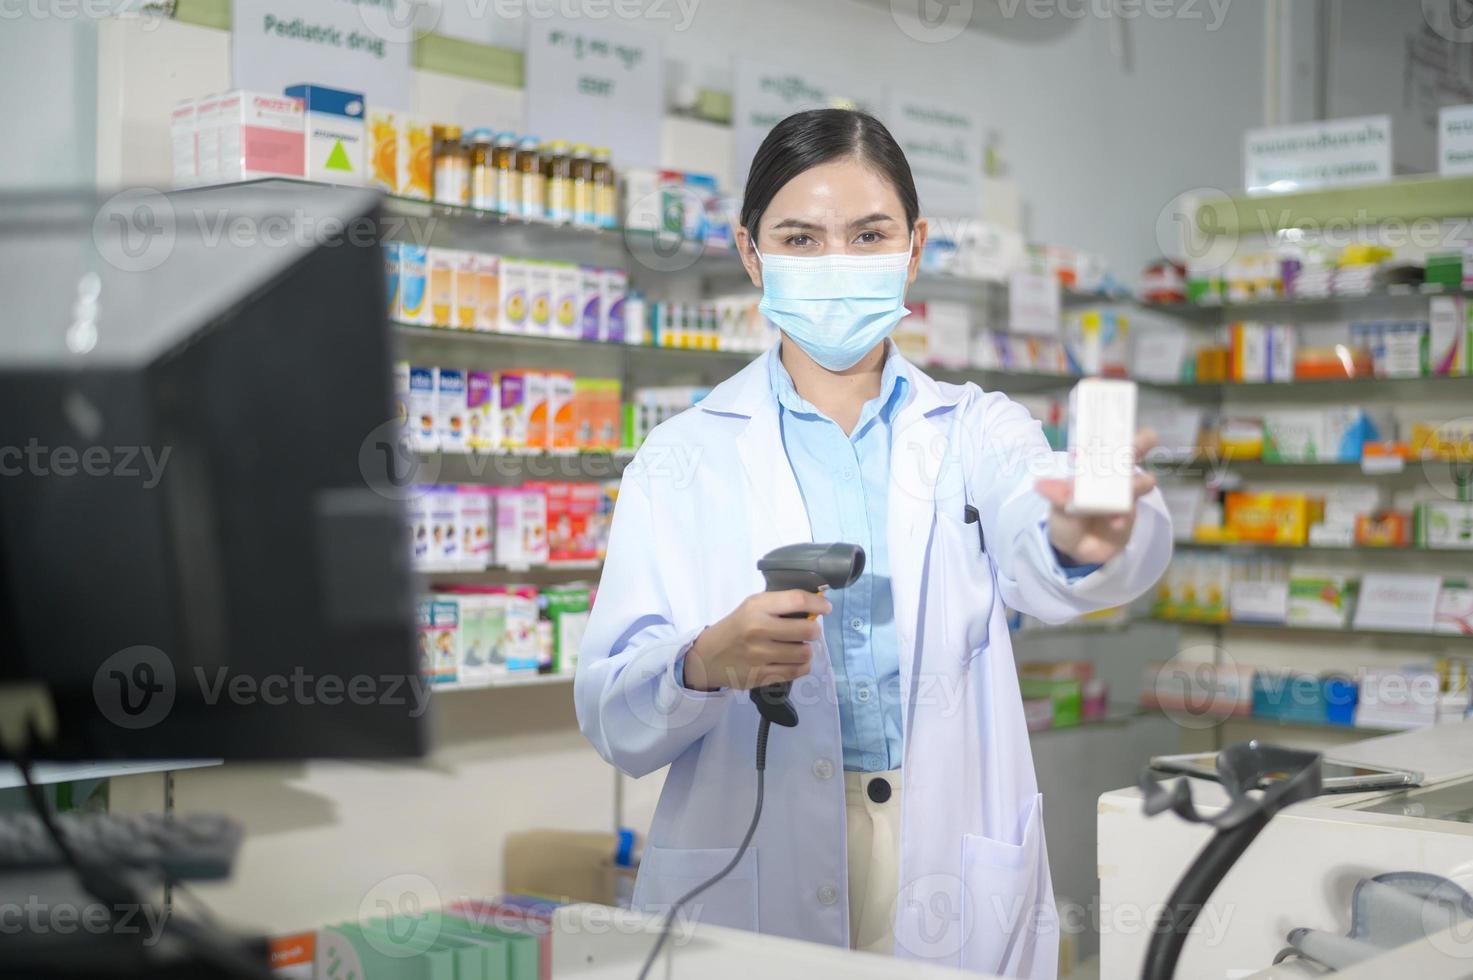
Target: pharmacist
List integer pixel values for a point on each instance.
(902, 813)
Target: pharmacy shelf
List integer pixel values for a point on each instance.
(49, 773)
(1309, 630)
(518, 466)
(1329, 550)
(543, 570)
(517, 679)
(1239, 470)
(1115, 715)
(1390, 296)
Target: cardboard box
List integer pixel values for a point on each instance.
(615, 291)
(414, 289)
(1320, 597)
(391, 276)
(511, 409)
(562, 429)
(488, 291)
(184, 142)
(1447, 337)
(260, 135)
(1454, 613)
(1101, 436)
(450, 409)
(1325, 435)
(466, 284)
(1397, 602)
(590, 302)
(383, 151)
(480, 411)
(1270, 518)
(539, 298)
(1384, 529)
(207, 139)
(335, 133)
(441, 264)
(513, 290)
(1444, 524)
(566, 301)
(535, 392)
(439, 626)
(424, 427)
(416, 157)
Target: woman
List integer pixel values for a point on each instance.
(902, 812)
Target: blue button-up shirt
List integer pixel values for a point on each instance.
(845, 483)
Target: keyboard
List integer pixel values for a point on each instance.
(197, 847)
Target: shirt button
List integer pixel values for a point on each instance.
(823, 768)
(828, 895)
(874, 763)
(863, 693)
(848, 474)
(856, 623)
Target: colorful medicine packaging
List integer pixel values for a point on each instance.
(424, 431)
(511, 409)
(480, 412)
(414, 306)
(450, 410)
(335, 133)
(184, 142)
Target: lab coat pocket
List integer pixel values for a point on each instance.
(961, 583)
(666, 873)
(1001, 914)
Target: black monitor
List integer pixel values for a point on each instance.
(198, 557)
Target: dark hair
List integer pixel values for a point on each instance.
(809, 139)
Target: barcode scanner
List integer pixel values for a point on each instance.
(812, 568)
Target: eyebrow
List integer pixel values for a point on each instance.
(874, 218)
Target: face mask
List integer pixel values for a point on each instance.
(835, 307)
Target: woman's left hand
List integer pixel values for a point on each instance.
(1093, 539)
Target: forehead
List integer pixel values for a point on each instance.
(835, 192)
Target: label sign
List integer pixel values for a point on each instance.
(766, 95)
(361, 47)
(1282, 159)
(944, 146)
(600, 84)
(1455, 141)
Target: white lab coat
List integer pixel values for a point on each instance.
(709, 493)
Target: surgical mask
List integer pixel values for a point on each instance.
(835, 307)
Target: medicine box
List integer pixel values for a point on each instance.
(1444, 524)
(510, 408)
(474, 501)
(539, 429)
(415, 157)
(1447, 337)
(260, 135)
(1270, 518)
(590, 302)
(521, 527)
(391, 276)
(1097, 343)
(562, 433)
(414, 307)
(566, 301)
(1454, 607)
(441, 263)
(444, 527)
(466, 289)
(401, 396)
(424, 428)
(488, 291)
(335, 133)
(1320, 597)
(450, 409)
(480, 411)
(519, 643)
(184, 142)
(615, 291)
(418, 517)
(207, 139)
(1325, 435)
(539, 298)
(513, 304)
(1101, 440)
(438, 626)
(383, 151)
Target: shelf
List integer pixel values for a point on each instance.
(1308, 630)
(1308, 549)
(515, 466)
(1114, 715)
(1241, 719)
(1389, 295)
(48, 773)
(525, 678)
(552, 567)
(1237, 471)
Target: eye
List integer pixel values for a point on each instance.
(869, 238)
(801, 240)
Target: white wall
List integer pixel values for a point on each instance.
(48, 93)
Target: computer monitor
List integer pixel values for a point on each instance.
(199, 553)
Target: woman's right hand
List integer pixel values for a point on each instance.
(755, 645)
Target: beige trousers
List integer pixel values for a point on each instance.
(874, 858)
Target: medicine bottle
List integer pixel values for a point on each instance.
(583, 186)
(503, 163)
(452, 167)
(605, 192)
(483, 176)
(529, 176)
(557, 170)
